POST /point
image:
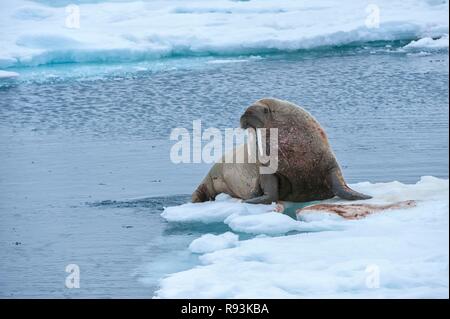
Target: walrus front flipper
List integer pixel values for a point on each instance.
(340, 188)
(269, 186)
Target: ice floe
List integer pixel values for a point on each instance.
(209, 242)
(428, 43)
(35, 33)
(8, 74)
(395, 254)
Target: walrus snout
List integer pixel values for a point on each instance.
(251, 119)
(244, 123)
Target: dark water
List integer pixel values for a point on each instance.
(82, 161)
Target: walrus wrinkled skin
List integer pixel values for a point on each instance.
(307, 168)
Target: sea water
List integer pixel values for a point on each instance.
(85, 167)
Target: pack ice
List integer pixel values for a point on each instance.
(394, 254)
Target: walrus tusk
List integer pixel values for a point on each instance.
(259, 141)
(251, 142)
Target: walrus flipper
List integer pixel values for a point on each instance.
(269, 186)
(341, 189)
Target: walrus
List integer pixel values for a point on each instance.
(307, 167)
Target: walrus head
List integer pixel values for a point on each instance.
(256, 116)
(268, 111)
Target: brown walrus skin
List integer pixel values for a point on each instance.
(307, 168)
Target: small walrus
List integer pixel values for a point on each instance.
(307, 168)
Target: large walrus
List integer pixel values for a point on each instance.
(307, 168)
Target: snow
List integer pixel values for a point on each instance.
(35, 33)
(275, 223)
(395, 254)
(261, 219)
(429, 43)
(209, 212)
(209, 242)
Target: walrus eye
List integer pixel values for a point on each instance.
(266, 111)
